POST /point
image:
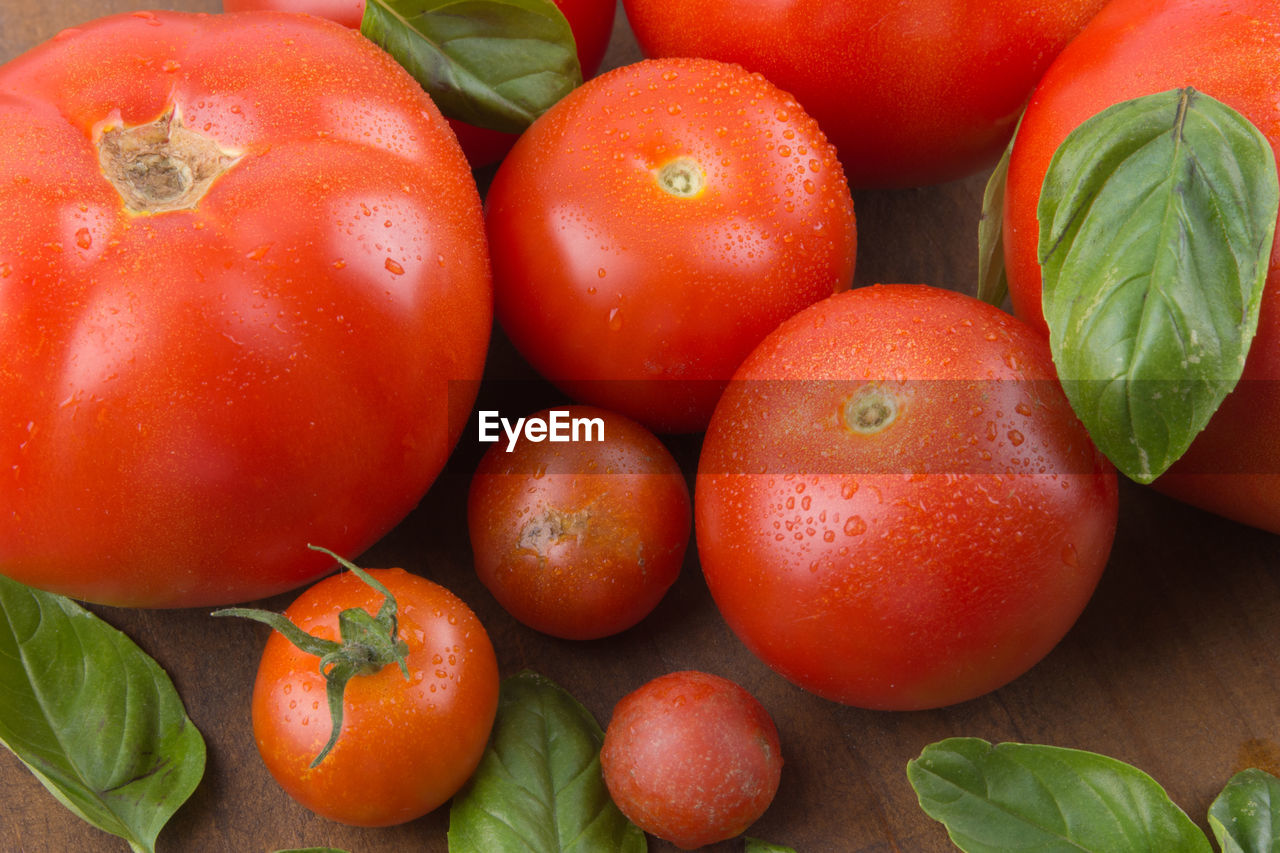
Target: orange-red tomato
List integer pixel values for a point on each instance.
(692, 758)
(1229, 49)
(655, 224)
(191, 395)
(590, 20)
(896, 506)
(581, 538)
(406, 745)
(911, 92)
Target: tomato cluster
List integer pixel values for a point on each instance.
(248, 286)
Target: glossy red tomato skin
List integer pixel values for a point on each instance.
(921, 564)
(638, 300)
(590, 20)
(911, 93)
(406, 746)
(349, 13)
(580, 539)
(194, 395)
(692, 758)
(1229, 49)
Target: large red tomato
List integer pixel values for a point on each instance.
(244, 295)
(911, 92)
(650, 228)
(1229, 49)
(895, 505)
(590, 20)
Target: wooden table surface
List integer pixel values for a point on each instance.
(1172, 666)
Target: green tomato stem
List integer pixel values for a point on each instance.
(369, 643)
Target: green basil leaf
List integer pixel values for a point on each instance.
(755, 845)
(93, 716)
(1156, 223)
(492, 63)
(993, 280)
(538, 787)
(1245, 818)
(996, 799)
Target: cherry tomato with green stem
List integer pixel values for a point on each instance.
(374, 697)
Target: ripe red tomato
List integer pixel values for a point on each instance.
(912, 92)
(655, 224)
(405, 745)
(692, 758)
(590, 20)
(190, 395)
(580, 539)
(1231, 51)
(895, 505)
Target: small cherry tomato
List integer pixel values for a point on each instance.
(692, 758)
(580, 539)
(896, 506)
(650, 228)
(413, 713)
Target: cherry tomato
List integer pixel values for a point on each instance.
(580, 538)
(692, 758)
(655, 224)
(405, 745)
(197, 385)
(911, 92)
(590, 20)
(895, 505)
(1230, 51)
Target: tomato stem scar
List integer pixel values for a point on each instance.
(682, 177)
(870, 410)
(162, 165)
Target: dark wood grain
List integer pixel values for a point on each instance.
(1172, 666)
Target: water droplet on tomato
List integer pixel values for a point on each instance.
(259, 252)
(394, 267)
(615, 319)
(855, 526)
(1016, 438)
(1069, 556)
(84, 239)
